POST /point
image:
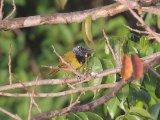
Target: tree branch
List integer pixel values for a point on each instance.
(92, 104)
(58, 94)
(146, 60)
(79, 16)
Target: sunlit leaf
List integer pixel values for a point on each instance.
(93, 116)
(83, 116)
(96, 66)
(107, 64)
(106, 49)
(112, 105)
(140, 112)
(62, 3)
(87, 32)
(154, 110)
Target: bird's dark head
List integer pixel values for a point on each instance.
(81, 53)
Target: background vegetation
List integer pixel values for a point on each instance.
(31, 48)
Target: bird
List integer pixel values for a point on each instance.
(76, 58)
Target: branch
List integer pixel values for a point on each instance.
(152, 58)
(151, 32)
(92, 104)
(72, 17)
(16, 117)
(80, 108)
(58, 94)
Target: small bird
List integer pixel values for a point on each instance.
(76, 58)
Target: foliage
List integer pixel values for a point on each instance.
(31, 48)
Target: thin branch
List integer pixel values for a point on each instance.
(80, 108)
(1, 9)
(10, 64)
(68, 65)
(155, 72)
(58, 94)
(147, 60)
(125, 2)
(137, 31)
(32, 101)
(115, 56)
(59, 18)
(16, 117)
(13, 10)
(92, 104)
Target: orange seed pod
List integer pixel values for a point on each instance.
(127, 68)
(137, 66)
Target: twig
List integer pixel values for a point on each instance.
(88, 106)
(155, 72)
(121, 47)
(147, 60)
(32, 101)
(1, 9)
(10, 64)
(16, 117)
(58, 94)
(137, 31)
(115, 56)
(69, 65)
(14, 9)
(80, 108)
(125, 2)
(65, 18)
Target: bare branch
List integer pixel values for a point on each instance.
(147, 60)
(10, 64)
(80, 108)
(115, 56)
(151, 32)
(92, 104)
(137, 31)
(1, 9)
(16, 117)
(59, 18)
(14, 9)
(58, 94)
(154, 71)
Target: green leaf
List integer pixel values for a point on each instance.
(142, 95)
(113, 106)
(132, 117)
(83, 116)
(96, 66)
(62, 117)
(62, 3)
(87, 32)
(106, 49)
(140, 112)
(93, 116)
(154, 110)
(121, 117)
(123, 93)
(107, 64)
(158, 21)
(157, 90)
(88, 24)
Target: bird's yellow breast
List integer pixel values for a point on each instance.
(70, 58)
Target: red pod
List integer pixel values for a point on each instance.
(127, 68)
(137, 67)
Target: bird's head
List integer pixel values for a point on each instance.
(81, 53)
